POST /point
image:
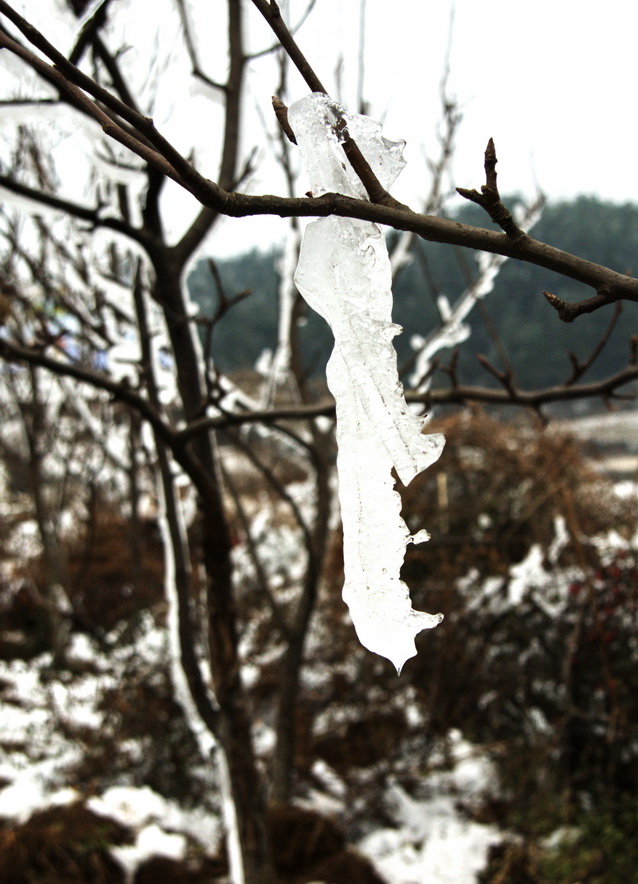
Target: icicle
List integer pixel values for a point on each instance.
(344, 274)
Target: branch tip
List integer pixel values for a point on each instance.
(490, 170)
(554, 300)
(281, 112)
(489, 198)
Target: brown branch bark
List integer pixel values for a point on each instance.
(581, 366)
(271, 12)
(457, 394)
(609, 285)
(87, 214)
(489, 198)
(183, 576)
(376, 192)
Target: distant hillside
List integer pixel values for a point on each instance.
(514, 319)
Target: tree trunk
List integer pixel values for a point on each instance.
(292, 660)
(54, 570)
(228, 721)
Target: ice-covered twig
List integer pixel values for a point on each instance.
(344, 274)
(453, 329)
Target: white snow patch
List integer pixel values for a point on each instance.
(128, 805)
(329, 778)
(433, 842)
(29, 794)
(626, 489)
(529, 572)
(151, 841)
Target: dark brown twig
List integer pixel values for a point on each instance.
(569, 312)
(457, 394)
(281, 112)
(192, 52)
(271, 12)
(377, 193)
(489, 197)
(579, 368)
(503, 377)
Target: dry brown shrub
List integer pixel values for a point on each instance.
(109, 579)
(25, 625)
(496, 490)
(160, 869)
(67, 844)
(363, 743)
(308, 846)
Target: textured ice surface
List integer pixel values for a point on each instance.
(315, 121)
(344, 274)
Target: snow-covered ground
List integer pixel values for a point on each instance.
(612, 428)
(432, 837)
(430, 832)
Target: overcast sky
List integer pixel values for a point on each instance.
(551, 81)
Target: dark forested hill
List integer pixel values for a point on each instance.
(250, 326)
(514, 319)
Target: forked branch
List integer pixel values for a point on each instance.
(489, 198)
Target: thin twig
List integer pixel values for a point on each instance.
(489, 198)
(579, 368)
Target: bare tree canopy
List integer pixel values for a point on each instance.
(95, 304)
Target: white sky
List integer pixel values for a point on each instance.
(551, 82)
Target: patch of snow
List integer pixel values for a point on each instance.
(434, 841)
(129, 805)
(151, 841)
(529, 572)
(140, 808)
(626, 490)
(560, 541)
(611, 542)
(265, 739)
(329, 778)
(29, 794)
(155, 842)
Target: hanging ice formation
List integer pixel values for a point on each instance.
(344, 274)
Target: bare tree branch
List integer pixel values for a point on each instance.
(609, 285)
(192, 52)
(580, 367)
(456, 394)
(277, 45)
(92, 217)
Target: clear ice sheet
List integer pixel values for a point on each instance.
(344, 274)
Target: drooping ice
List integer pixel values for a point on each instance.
(344, 274)
(315, 121)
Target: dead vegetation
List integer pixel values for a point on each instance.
(491, 671)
